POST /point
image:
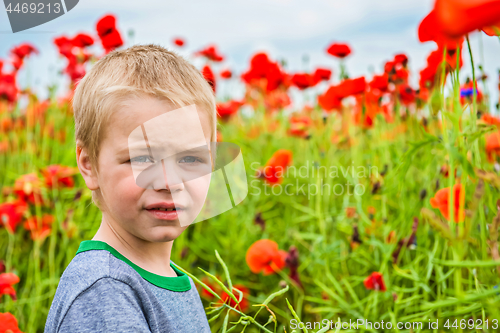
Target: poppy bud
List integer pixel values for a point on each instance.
(355, 234)
(78, 195)
(385, 170)
(437, 185)
(423, 194)
(444, 170)
(425, 122)
(292, 259)
(184, 252)
(259, 220)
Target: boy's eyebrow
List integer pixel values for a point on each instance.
(128, 149)
(202, 149)
(142, 149)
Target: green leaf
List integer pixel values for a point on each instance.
(198, 281)
(294, 314)
(219, 282)
(226, 271)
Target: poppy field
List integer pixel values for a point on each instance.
(376, 202)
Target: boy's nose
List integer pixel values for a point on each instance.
(175, 184)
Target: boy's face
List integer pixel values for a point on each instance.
(125, 202)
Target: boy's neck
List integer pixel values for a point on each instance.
(153, 257)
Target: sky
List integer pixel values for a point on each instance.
(286, 29)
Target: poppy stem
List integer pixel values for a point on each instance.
(474, 105)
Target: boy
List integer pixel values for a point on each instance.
(123, 279)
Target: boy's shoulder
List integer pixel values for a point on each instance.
(90, 269)
(89, 266)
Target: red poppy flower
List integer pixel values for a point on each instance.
(375, 282)
(7, 280)
(261, 67)
(380, 82)
(431, 30)
(332, 98)
(243, 305)
(105, 25)
(211, 53)
(353, 86)
(365, 113)
(82, 40)
(227, 109)
(401, 59)
(8, 87)
(299, 126)
(57, 175)
(274, 169)
(492, 145)
(263, 254)
(430, 74)
(303, 80)
(39, 228)
(28, 188)
(339, 50)
(322, 74)
(8, 323)
(440, 201)
(64, 45)
(11, 214)
(209, 76)
(109, 35)
(489, 119)
(459, 17)
(226, 74)
(493, 30)
(179, 41)
(406, 94)
(23, 50)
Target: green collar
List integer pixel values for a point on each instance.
(178, 283)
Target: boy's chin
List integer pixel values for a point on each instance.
(166, 234)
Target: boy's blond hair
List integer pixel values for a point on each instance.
(140, 70)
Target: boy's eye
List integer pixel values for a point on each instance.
(189, 159)
(142, 159)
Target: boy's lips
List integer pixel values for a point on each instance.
(164, 205)
(165, 210)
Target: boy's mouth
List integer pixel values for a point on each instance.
(167, 214)
(164, 206)
(165, 210)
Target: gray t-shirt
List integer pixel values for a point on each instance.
(103, 291)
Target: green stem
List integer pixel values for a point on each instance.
(477, 159)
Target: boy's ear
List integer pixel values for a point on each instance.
(83, 162)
